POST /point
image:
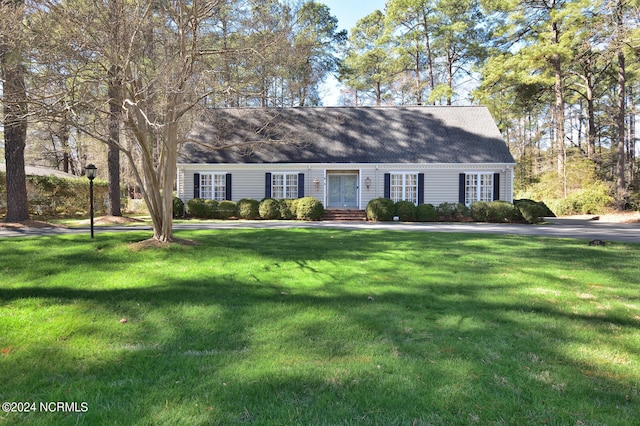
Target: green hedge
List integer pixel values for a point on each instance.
(380, 209)
(494, 211)
(178, 208)
(287, 209)
(405, 210)
(202, 209)
(269, 208)
(532, 211)
(226, 209)
(248, 208)
(426, 213)
(308, 208)
(52, 196)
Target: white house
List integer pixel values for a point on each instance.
(345, 156)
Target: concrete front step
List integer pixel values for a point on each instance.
(345, 214)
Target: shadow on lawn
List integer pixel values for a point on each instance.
(202, 349)
(424, 357)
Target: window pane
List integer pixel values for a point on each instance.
(396, 187)
(205, 186)
(219, 184)
(284, 185)
(471, 189)
(411, 188)
(486, 187)
(292, 186)
(277, 186)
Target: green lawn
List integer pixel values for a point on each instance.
(321, 327)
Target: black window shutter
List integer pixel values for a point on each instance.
(420, 188)
(267, 185)
(496, 186)
(196, 185)
(227, 195)
(300, 185)
(387, 185)
(461, 188)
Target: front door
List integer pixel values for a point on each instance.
(343, 190)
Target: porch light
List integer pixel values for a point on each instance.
(367, 182)
(316, 183)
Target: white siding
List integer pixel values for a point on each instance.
(440, 180)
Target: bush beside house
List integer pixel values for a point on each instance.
(248, 208)
(307, 208)
(380, 209)
(522, 211)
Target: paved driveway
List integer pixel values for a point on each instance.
(558, 228)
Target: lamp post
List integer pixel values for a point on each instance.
(91, 175)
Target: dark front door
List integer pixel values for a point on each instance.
(343, 190)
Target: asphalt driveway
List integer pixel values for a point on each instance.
(557, 228)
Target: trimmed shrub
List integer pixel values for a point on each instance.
(248, 208)
(211, 209)
(309, 208)
(201, 208)
(502, 211)
(406, 210)
(532, 211)
(269, 208)
(426, 213)
(480, 211)
(462, 212)
(447, 211)
(380, 209)
(294, 207)
(226, 209)
(287, 209)
(196, 208)
(178, 207)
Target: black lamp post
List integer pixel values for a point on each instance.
(91, 174)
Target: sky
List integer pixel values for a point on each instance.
(348, 13)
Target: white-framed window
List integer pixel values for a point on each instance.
(213, 186)
(478, 187)
(284, 185)
(404, 187)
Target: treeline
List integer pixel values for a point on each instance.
(560, 77)
(134, 75)
(264, 53)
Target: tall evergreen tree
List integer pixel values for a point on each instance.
(367, 67)
(14, 102)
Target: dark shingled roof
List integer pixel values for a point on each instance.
(347, 135)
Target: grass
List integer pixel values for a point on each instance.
(332, 327)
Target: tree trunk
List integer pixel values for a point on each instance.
(15, 127)
(560, 133)
(620, 124)
(427, 43)
(631, 156)
(620, 120)
(114, 91)
(592, 132)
